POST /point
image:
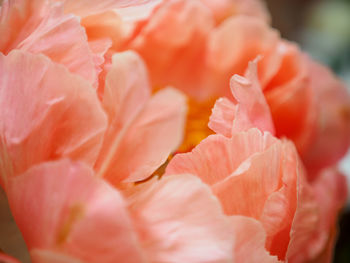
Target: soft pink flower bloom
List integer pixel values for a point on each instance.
(199, 56)
(258, 176)
(67, 214)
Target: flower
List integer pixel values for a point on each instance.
(93, 112)
(261, 178)
(202, 58)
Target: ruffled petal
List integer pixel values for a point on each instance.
(143, 131)
(252, 183)
(250, 110)
(39, 26)
(61, 206)
(49, 111)
(222, 117)
(206, 160)
(180, 221)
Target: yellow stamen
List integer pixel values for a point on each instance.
(197, 123)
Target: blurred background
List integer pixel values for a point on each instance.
(322, 28)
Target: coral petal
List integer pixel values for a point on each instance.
(47, 109)
(61, 205)
(250, 240)
(194, 229)
(38, 26)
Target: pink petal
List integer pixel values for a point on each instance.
(304, 223)
(106, 25)
(250, 240)
(290, 98)
(222, 118)
(61, 206)
(143, 131)
(332, 138)
(38, 26)
(49, 111)
(258, 176)
(85, 8)
(251, 109)
(180, 221)
(206, 160)
(99, 47)
(149, 140)
(252, 183)
(250, 37)
(331, 192)
(222, 9)
(179, 29)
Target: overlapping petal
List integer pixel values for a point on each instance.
(47, 109)
(258, 176)
(59, 206)
(179, 29)
(250, 236)
(181, 221)
(39, 26)
(250, 109)
(143, 130)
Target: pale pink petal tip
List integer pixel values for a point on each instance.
(250, 109)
